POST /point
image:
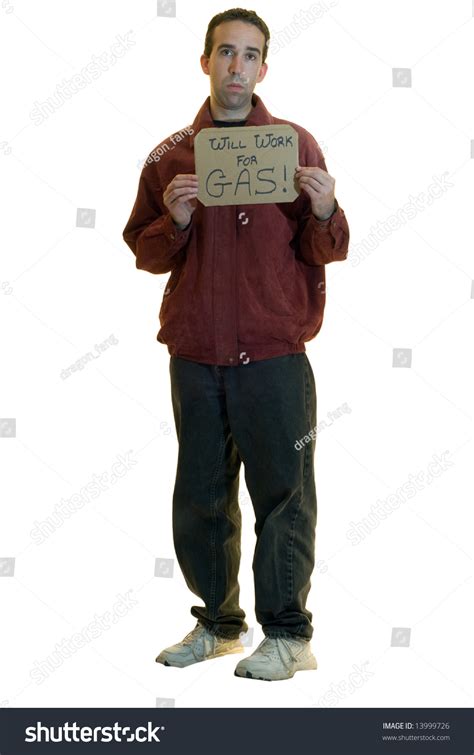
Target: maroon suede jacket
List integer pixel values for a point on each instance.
(247, 282)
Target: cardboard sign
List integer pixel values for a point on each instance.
(246, 164)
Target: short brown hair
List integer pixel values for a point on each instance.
(237, 14)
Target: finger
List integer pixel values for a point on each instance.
(182, 185)
(311, 168)
(183, 180)
(179, 193)
(321, 180)
(311, 192)
(323, 175)
(184, 199)
(316, 183)
(181, 190)
(181, 200)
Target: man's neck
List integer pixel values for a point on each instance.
(221, 114)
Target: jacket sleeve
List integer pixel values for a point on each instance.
(151, 234)
(320, 241)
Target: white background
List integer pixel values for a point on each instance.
(64, 289)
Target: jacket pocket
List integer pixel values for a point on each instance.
(275, 292)
(170, 287)
(285, 287)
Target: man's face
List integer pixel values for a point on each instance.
(236, 58)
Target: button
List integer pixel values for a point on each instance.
(172, 236)
(231, 359)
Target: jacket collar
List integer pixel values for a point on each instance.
(258, 116)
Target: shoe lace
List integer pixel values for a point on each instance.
(270, 647)
(193, 634)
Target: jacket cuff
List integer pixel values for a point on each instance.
(329, 237)
(173, 233)
(333, 225)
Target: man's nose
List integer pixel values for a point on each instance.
(236, 66)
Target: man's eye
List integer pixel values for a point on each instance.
(224, 51)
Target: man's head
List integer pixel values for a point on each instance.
(235, 51)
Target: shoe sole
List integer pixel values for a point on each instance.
(165, 661)
(248, 674)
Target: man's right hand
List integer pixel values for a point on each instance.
(180, 198)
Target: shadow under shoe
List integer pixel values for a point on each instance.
(198, 645)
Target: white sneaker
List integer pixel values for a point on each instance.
(199, 645)
(277, 658)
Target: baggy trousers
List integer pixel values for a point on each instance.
(252, 413)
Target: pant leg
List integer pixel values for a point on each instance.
(271, 404)
(206, 512)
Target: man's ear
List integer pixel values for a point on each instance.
(205, 64)
(262, 72)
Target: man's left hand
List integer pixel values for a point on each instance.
(319, 185)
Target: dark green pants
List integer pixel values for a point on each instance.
(252, 413)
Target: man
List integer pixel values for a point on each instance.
(246, 290)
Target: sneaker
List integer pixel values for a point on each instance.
(199, 645)
(277, 658)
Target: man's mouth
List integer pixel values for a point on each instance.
(234, 86)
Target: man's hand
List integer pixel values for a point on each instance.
(319, 185)
(180, 198)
